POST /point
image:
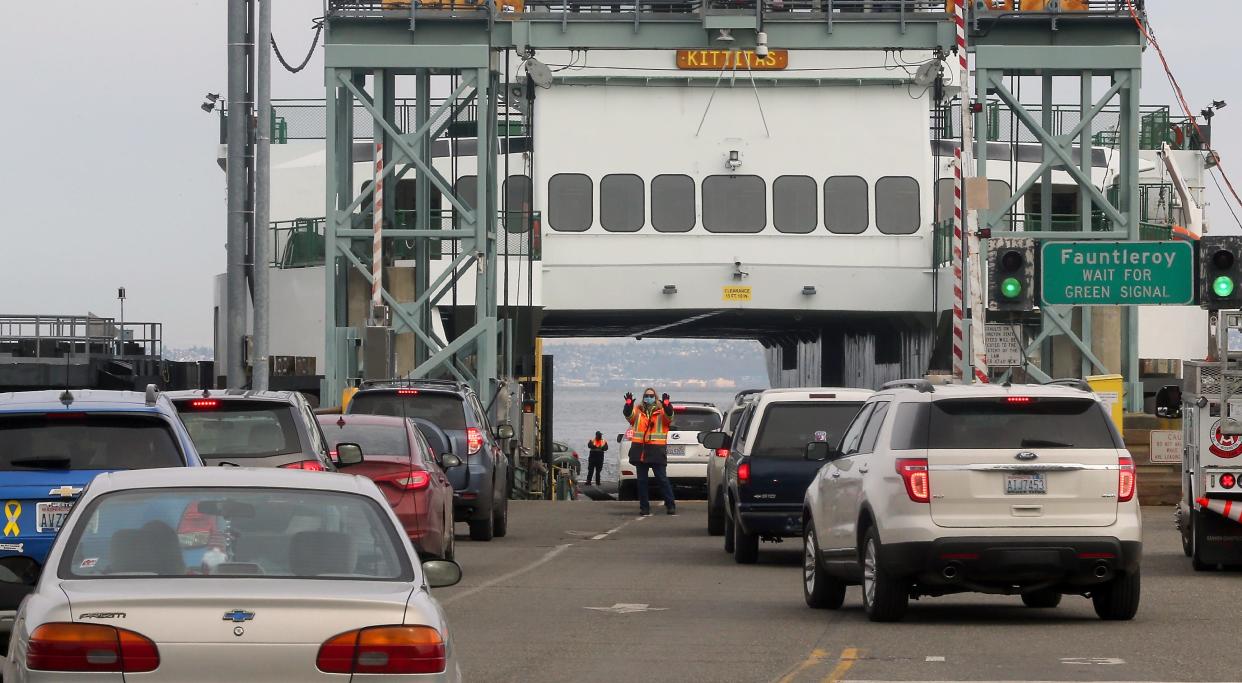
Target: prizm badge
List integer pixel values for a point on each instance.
(1025, 455)
(237, 616)
(102, 615)
(65, 491)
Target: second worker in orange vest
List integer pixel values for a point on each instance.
(649, 446)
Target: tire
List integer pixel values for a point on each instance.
(745, 546)
(819, 589)
(728, 534)
(1196, 563)
(885, 598)
(482, 529)
(1187, 520)
(500, 519)
(1118, 600)
(627, 490)
(450, 549)
(1045, 598)
(715, 520)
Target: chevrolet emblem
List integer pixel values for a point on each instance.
(65, 491)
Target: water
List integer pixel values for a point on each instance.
(579, 413)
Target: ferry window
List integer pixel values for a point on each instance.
(794, 205)
(846, 205)
(467, 189)
(672, 203)
(735, 203)
(622, 206)
(897, 205)
(569, 202)
(517, 203)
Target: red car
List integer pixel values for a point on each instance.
(398, 458)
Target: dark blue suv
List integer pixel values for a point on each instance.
(52, 444)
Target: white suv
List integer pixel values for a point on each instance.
(687, 458)
(945, 489)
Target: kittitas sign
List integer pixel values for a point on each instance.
(1118, 273)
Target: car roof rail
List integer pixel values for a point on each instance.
(923, 386)
(408, 382)
(1072, 382)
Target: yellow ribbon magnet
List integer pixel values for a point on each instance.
(12, 510)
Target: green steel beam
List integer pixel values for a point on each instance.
(1102, 60)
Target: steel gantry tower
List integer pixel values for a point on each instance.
(371, 44)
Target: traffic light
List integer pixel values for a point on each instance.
(1220, 272)
(1011, 274)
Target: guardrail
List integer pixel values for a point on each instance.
(1156, 125)
(992, 9)
(306, 119)
(60, 336)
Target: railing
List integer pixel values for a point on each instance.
(1156, 126)
(993, 8)
(60, 336)
(306, 119)
(300, 243)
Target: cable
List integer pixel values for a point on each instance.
(318, 23)
(1181, 98)
(1222, 194)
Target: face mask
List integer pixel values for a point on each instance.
(648, 400)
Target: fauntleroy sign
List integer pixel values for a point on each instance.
(776, 60)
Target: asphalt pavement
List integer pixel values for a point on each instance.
(588, 591)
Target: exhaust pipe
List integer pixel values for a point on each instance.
(950, 572)
(1101, 570)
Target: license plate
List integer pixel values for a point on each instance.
(1023, 484)
(676, 450)
(51, 516)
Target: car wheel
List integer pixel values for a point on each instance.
(715, 520)
(728, 534)
(745, 546)
(885, 597)
(1043, 598)
(450, 548)
(1195, 562)
(1118, 600)
(819, 589)
(482, 529)
(1187, 527)
(500, 525)
(627, 490)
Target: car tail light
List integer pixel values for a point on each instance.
(722, 452)
(679, 409)
(1127, 479)
(205, 404)
(1227, 481)
(628, 473)
(1019, 400)
(308, 465)
(917, 479)
(415, 480)
(66, 416)
(474, 440)
(743, 473)
(407, 392)
(195, 528)
(384, 650)
(90, 647)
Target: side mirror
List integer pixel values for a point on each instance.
(505, 431)
(441, 573)
(620, 438)
(819, 450)
(348, 454)
(715, 440)
(449, 461)
(1169, 401)
(700, 436)
(18, 570)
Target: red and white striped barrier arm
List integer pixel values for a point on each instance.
(963, 236)
(377, 224)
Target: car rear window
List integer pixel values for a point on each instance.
(374, 439)
(444, 410)
(234, 532)
(694, 420)
(1004, 423)
(87, 441)
(787, 428)
(241, 429)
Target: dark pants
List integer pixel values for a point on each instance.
(661, 475)
(595, 466)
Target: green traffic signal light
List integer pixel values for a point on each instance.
(1011, 288)
(1223, 286)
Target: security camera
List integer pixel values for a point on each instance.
(761, 44)
(761, 50)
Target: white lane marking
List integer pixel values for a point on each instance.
(934, 659)
(547, 557)
(1103, 661)
(600, 537)
(628, 608)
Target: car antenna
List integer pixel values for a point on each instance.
(67, 397)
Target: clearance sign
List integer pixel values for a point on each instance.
(732, 59)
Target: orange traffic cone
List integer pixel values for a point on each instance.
(1223, 507)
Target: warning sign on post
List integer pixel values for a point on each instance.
(1004, 345)
(1166, 446)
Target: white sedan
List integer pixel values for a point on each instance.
(230, 574)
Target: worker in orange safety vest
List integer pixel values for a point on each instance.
(649, 446)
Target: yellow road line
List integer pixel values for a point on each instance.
(816, 657)
(848, 656)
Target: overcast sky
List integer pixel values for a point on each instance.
(107, 165)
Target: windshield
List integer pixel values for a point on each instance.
(373, 439)
(85, 441)
(234, 532)
(1000, 423)
(787, 428)
(239, 429)
(694, 420)
(443, 410)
